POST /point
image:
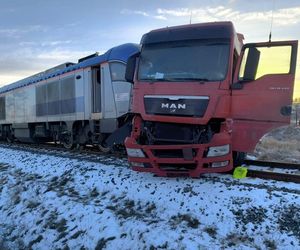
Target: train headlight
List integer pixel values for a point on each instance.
(135, 152)
(218, 151)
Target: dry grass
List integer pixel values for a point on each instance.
(281, 144)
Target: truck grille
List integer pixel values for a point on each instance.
(171, 153)
(188, 106)
(158, 133)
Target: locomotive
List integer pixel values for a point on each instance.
(71, 103)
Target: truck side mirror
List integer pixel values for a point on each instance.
(251, 64)
(130, 67)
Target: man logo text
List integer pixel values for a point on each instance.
(173, 106)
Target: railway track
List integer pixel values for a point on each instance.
(89, 153)
(274, 170)
(268, 170)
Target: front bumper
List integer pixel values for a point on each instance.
(181, 160)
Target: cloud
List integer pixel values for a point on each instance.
(12, 68)
(25, 44)
(282, 17)
(10, 32)
(161, 17)
(175, 12)
(136, 12)
(45, 43)
(55, 43)
(18, 32)
(61, 55)
(142, 13)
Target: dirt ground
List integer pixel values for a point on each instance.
(282, 144)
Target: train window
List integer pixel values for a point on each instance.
(67, 88)
(53, 98)
(117, 71)
(271, 60)
(53, 91)
(2, 108)
(68, 100)
(41, 94)
(41, 100)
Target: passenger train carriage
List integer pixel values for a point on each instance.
(72, 103)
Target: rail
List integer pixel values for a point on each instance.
(270, 175)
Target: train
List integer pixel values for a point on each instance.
(72, 103)
(202, 98)
(187, 100)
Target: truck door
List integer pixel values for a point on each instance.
(262, 91)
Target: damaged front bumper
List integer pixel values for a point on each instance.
(182, 160)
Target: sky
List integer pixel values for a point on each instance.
(36, 35)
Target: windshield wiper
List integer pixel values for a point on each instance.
(201, 80)
(158, 79)
(165, 79)
(152, 80)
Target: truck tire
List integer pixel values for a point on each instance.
(238, 158)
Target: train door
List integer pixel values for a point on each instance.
(262, 91)
(96, 89)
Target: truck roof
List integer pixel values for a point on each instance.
(190, 32)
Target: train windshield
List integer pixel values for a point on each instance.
(184, 61)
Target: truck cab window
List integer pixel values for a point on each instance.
(182, 61)
(271, 60)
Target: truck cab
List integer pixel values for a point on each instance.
(201, 98)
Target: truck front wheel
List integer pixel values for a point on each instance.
(238, 158)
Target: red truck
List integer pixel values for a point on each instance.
(202, 98)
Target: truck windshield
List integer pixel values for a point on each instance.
(184, 61)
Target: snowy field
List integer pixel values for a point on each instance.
(52, 202)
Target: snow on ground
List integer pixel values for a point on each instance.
(50, 202)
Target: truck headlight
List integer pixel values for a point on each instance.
(218, 151)
(135, 152)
